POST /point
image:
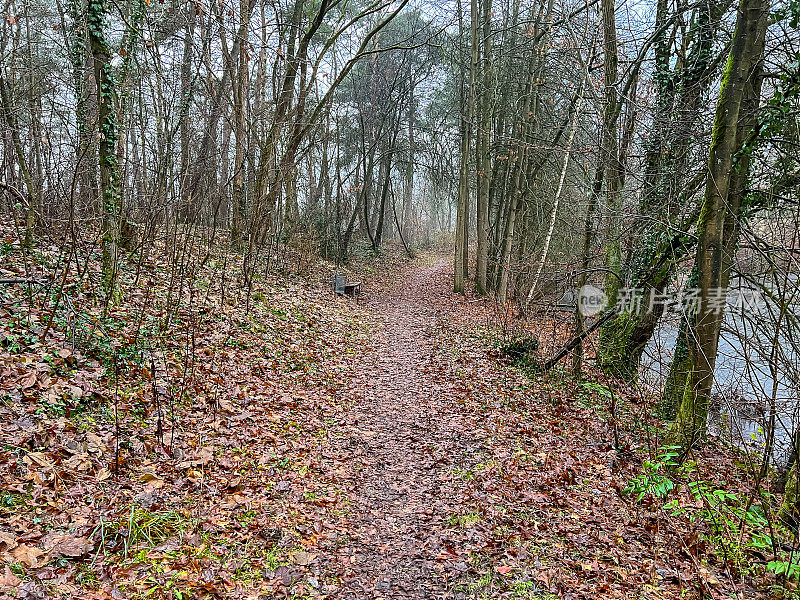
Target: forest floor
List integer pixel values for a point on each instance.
(301, 445)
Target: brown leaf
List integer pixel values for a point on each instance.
(79, 462)
(28, 381)
(504, 570)
(8, 581)
(95, 444)
(152, 480)
(204, 455)
(39, 459)
(7, 541)
(73, 547)
(303, 558)
(708, 576)
(283, 572)
(27, 555)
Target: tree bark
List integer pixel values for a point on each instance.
(461, 258)
(107, 157)
(484, 163)
(717, 229)
(31, 201)
(240, 94)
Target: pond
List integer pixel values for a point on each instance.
(744, 380)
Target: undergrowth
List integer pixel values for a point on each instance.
(741, 530)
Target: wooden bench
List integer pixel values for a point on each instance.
(342, 288)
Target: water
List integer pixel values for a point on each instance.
(743, 378)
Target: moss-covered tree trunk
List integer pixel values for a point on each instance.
(790, 508)
(107, 156)
(720, 211)
(666, 193)
(675, 383)
(612, 334)
(613, 167)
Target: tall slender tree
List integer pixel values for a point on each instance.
(718, 222)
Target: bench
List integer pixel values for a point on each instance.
(342, 288)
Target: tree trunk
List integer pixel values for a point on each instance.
(22, 163)
(387, 172)
(204, 154)
(666, 191)
(612, 331)
(461, 258)
(240, 94)
(85, 150)
(484, 163)
(717, 229)
(186, 98)
(557, 198)
(408, 188)
(107, 157)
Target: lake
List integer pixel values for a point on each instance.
(744, 381)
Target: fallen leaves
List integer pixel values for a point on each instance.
(8, 581)
(504, 570)
(152, 480)
(314, 446)
(24, 554)
(28, 381)
(70, 546)
(201, 457)
(302, 558)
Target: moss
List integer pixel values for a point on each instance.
(107, 159)
(674, 386)
(520, 348)
(689, 426)
(790, 507)
(720, 126)
(675, 383)
(612, 354)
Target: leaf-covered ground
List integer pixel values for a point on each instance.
(294, 444)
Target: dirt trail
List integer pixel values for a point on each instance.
(393, 445)
(334, 451)
(459, 477)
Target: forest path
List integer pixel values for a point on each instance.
(394, 447)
